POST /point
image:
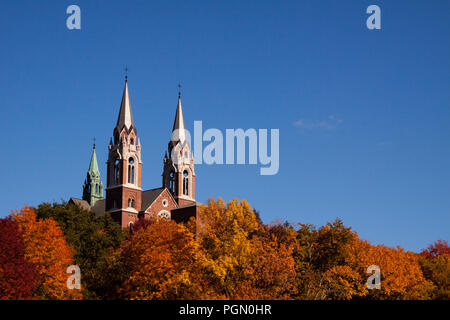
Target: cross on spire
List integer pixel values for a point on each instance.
(94, 142)
(179, 89)
(126, 73)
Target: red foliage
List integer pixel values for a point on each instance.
(142, 224)
(18, 278)
(436, 249)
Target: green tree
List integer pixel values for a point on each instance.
(91, 237)
(317, 251)
(435, 264)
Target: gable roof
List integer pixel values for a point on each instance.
(99, 207)
(81, 203)
(149, 196)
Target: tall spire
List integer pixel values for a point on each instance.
(178, 174)
(178, 130)
(93, 186)
(93, 165)
(125, 117)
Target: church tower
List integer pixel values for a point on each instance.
(179, 175)
(93, 186)
(124, 165)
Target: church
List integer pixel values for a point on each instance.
(125, 200)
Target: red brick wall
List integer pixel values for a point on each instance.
(124, 218)
(157, 205)
(184, 202)
(128, 193)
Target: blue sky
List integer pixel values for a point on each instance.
(363, 115)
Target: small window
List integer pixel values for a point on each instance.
(130, 225)
(131, 141)
(172, 182)
(164, 203)
(185, 183)
(131, 170)
(116, 172)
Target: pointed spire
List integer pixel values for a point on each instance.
(178, 130)
(125, 117)
(93, 186)
(93, 166)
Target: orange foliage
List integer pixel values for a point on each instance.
(46, 247)
(164, 261)
(401, 275)
(268, 272)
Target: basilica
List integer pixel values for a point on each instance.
(125, 200)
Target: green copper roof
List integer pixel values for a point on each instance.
(93, 166)
(93, 186)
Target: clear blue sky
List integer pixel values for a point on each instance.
(364, 116)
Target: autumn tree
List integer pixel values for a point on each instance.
(316, 253)
(18, 277)
(46, 248)
(401, 275)
(435, 264)
(92, 238)
(245, 262)
(163, 261)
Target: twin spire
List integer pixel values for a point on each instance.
(125, 117)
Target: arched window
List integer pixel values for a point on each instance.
(185, 183)
(131, 170)
(131, 203)
(172, 181)
(116, 172)
(130, 225)
(96, 187)
(131, 141)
